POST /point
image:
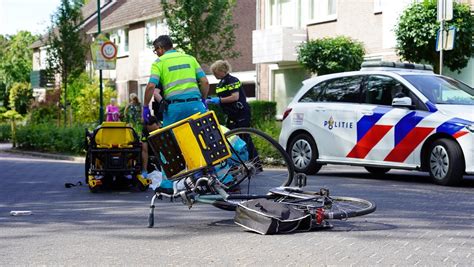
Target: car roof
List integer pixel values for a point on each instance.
(396, 71)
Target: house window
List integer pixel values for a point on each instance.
(377, 6)
(120, 38)
(43, 58)
(299, 13)
(153, 29)
(324, 10)
(282, 13)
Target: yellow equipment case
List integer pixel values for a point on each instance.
(189, 145)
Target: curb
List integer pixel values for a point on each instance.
(45, 155)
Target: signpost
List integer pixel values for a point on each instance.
(445, 13)
(104, 54)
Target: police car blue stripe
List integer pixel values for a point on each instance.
(407, 124)
(452, 126)
(368, 121)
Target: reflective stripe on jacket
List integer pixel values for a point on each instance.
(177, 72)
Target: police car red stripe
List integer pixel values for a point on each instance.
(370, 139)
(406, 146)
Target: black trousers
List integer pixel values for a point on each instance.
(244, 122)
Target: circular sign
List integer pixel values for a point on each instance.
(108, 50)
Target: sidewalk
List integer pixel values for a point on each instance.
(7, 148)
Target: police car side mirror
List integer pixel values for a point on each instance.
(402, 102)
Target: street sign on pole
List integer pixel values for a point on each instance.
(445, 13)
(448, 39)
(445, 10)
(104, 53)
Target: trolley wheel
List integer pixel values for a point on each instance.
(87, 167)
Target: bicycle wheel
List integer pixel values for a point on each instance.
(335, 207)
(258, 163)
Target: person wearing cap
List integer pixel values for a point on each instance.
(183, 80)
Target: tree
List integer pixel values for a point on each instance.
(15, 60)
(331, 55)
(203, 28)
(416, 35)
(3, 87)
(87, 103)
(11, 116)
(66, 46)
(20, 96)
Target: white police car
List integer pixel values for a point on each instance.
(385, 116)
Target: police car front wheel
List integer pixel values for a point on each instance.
(446, 162)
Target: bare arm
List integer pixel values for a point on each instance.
(204, 86)
(150, 88)
(230, 99)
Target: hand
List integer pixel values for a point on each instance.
(204, 102)
(146, 114)
(213, 100)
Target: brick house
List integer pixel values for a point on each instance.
(133, 25)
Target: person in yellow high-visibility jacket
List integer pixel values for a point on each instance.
(184, 83)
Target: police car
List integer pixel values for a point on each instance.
(385, 116)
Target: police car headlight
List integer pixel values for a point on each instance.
(470, 128)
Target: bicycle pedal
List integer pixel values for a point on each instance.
(186, 200)
(300, 179)
(324, 192)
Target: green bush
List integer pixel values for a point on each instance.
(271, 128)
(331, 55)
(262, 111)
(51, 138)
(5, 132)
(44, 113)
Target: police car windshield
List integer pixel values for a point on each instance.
(442, 90)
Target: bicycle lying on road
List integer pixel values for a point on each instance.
(207, 166)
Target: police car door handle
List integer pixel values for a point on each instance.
(319, 109)
(367, 112)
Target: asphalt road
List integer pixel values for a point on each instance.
(416, 223)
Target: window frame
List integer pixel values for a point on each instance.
(328, 81)
(273, 13)
(158, 27)
(120, 37)
(416, 101)
(378, 7)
